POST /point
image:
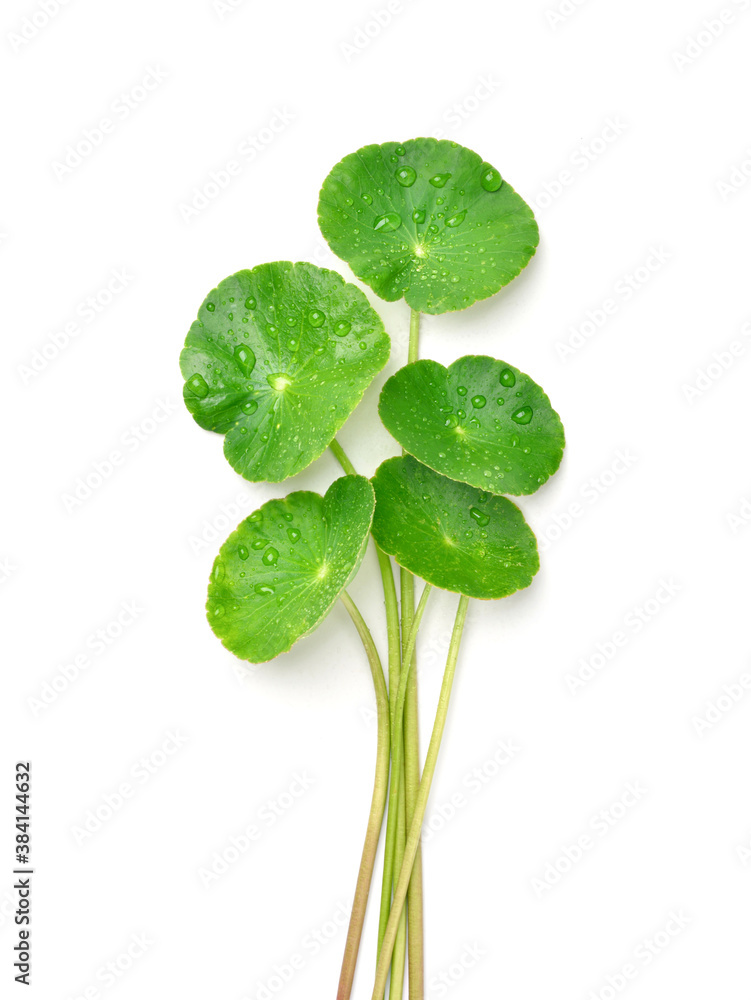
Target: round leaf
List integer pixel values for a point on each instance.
(281, 572)
(428, 220)
(277, 360)
(450, 534)
(479, 421)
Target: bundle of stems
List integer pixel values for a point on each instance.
(401, 789)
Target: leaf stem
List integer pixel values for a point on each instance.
(397, 697)
(414, 336)
(395, 664)
(413, 838)
(377, 806)
(412, 782)
(415, 919)
(341, 457)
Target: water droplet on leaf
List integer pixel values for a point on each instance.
(387, 223)
(490, 179)
(198, 386)
(245, 358)
(523, 415)
(439, 180)
(406, 176)
(477, 515)
(507, 378)
(478, 402)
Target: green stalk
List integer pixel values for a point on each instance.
(396, 984)
(414, 335)
(377, 805)
(397, 758)
(415, 925)
(341, 456)
(395, 663)
(412, 783)
(413, 838)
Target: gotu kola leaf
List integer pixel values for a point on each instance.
(427, 220)
(480, 421)
(282, 570)
(450, 534)
(277, 360)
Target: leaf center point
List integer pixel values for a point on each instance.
(279, 381)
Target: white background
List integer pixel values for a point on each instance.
(529, 92)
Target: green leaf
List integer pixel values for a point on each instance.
(277, 360)
(281, 572)
(428, 220)
(450, 534)
(480, 421)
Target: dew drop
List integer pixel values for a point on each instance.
(387, 223)
(490, 179)
(243, 552)
(217, 610)
(316, 318)
(245, 358)
(406, 176)
(259, 543)
(418, 215)
(462, 390)
(342, 328)
(478, 402)
(264, 589)
(293, 534)
(249, 406)
(399, 150)
(451, 421)
(507, 378)
(456, 220)
(439, 180)
(210, 306)
(270, 557)
(523, 415)
(198, 386)
(367, 199)
(477, 515)
(217, 574)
